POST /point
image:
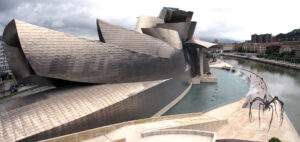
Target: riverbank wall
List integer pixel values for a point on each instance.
(272, 62)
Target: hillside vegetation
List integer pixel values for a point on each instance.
(290, 36)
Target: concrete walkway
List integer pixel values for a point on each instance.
(240, 127)
(133, 131)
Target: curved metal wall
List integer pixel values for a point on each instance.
(167, 35)
(147, 22)
(121, 55)
(171, 15)
(76, 108)
(135, 41)
(184, 29)
(56, 55)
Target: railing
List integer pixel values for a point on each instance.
(261, 78)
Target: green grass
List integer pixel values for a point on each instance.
(20, 92)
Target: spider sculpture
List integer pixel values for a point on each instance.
(267, 105)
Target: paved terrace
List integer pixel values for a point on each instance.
(228, 122)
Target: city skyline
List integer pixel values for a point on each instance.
(216, 19)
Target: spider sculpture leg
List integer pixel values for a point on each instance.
(265, 101)
(275, 108)
(281, 111)
(281, 114)
(251, 103)
(282, 108)
(267, 105)
(260, 104)
(270, 106)
(250, 114)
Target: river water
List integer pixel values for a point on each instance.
(231, 87)
(281, 81)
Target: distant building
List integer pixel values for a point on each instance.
(297, 51)
(3, 59)
(248, 41)
(228, 47)
(263, 38)
(290, 46)
(285, 48)
(255, 47)
(216, 41)
(237, 45)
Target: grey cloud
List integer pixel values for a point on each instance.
(124, 22)
(219, 9)
(71, 16)
(57, 24)
(75, 17)
(217, 30)
(10, 4)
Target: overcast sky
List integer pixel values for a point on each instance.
(232, 19)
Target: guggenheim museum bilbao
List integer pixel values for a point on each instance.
(125, 75)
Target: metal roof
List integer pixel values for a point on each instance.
(197, 41)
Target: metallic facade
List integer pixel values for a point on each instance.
(192, 46)
(171, 15)
(76, 108)
(147, 22)
(148, 70)
(184, 29)
(135, 41)
(197, 43)
(169, 36)
(47, 54)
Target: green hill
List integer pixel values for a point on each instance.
(290, 36)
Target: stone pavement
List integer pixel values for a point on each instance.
(240, 127)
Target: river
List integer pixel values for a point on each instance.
(281, 81)
(231, 87)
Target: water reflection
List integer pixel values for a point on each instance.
(281, 81)
(231, 87)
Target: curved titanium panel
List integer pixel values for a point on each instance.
(132, 40)
(199, 43)
(72, 109)
(58, 55)
(184, 29)
(167, 35)
(147, 22)
(171, 15)
(27, 116)
(15, 55)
